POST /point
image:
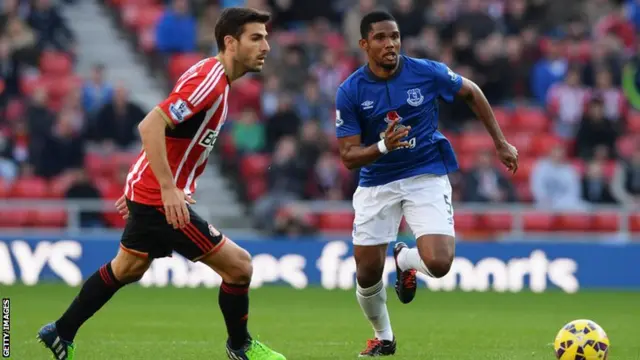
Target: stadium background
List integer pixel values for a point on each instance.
(76, 76)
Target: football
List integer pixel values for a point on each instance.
(581, 340)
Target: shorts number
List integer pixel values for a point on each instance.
(449, 207)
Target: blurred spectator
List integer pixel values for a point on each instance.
(284, 122)
(292, 221)
(327, 179)
(595, 187)
(565, 102)
(176, 29)
(8, 166)
(517, 79)
(22, 41)
(63, 150)
(248, 133)
(312, 104)
(555, 183)
(615, 23)
(269, 96)
(409, 16)
(614, 101)
(83, 189)
(286, 180)
(475, 18)
(312, 144)
(39, 122)
(51, 28)
(293, 71)
(515, 17)
(330, 72)
(116, 123)
(490, 65)
(594, 131)
(486, 183)
(625, 185)
(351, 22)
(96, 91)
(546, 72)
(601, 58)
(9, 71)
(206, 29)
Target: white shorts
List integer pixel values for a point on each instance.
(424, 200)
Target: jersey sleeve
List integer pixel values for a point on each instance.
(449, 83)
(346, 119)
(192, 95)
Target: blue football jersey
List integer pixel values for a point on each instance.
(365, 104)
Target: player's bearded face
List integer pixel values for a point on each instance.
(253, 47)
(383, 44)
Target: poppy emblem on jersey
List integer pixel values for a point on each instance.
(415, 97)
(392, 116)
(180, 111)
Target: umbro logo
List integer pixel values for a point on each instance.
(367, 105)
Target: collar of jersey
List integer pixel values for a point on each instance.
(395, 74)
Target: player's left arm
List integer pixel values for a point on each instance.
(453, 85)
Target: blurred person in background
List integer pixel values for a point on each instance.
(555, 183)
(548, 71)
(312, 103)
(22, 41)
(351, 22)
(283, 123)
(176, 31)
(248, 133)
(9, 71)
(63, 148)
(115, 125)
(595, 185)
(486, 183)
(614, 101)
(312, 142)
(625, 185)
(565, 103)
(327, 177)
(594, 131)
(83, 189)
(410, 16)
(293, 70)
(52, 30)
(96, 91)
(269, 98)
(8, 166)
(206, 28)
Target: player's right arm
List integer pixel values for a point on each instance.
(348, 131)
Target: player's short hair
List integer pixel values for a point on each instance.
(372, 18)
(232, 21)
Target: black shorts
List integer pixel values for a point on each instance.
(148, 234)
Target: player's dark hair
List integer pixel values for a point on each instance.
(372, 18)
(232, 21)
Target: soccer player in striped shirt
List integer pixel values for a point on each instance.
(177, 137)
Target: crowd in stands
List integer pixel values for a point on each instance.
(553, 70)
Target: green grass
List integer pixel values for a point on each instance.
(309, 324)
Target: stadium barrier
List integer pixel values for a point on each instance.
(501, 267)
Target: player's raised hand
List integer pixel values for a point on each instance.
(121, 206)
(508, 155)
(175, 207)
(393, 136)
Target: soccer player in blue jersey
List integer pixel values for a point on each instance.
(387, 125)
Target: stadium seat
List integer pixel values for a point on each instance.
(59, 185)
(55, 63)
(524, 142)
(573, 222)
(466, 161)
(50, 218)
(543, 143)
(30, 187)
(633, 122)
(179, 63)
(530, 119)
(626, 144)
(503, 117)
(634, 222)
(473, 143)
(14, 218)
(537, 221)
(525, 167)
(496, 221)
(96, 165)
(254, 165)
(465, 221)
(147, 17)
(606, 221)
(227, 146)
(336, 221)
(523, 192)
(256, 187)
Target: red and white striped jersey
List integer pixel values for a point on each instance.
(195, 111)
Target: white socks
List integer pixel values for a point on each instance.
(410, 259)
(373, 302)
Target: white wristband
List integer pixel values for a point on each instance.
(382, 147)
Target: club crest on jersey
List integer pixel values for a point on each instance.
(179, 110)
(415, 97)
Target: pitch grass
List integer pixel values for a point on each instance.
(169, 323)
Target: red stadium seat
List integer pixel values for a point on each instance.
(606, 221)
(633, 122)
(500, 221)
(626, 144)
(50, 218)
(96, 165)
(4, 189)
(634, 222)
(525, 167)
(256, 187)
(465, 221)
(609, 168)
(59, 86)
(573, 222)
(59, 185)
(530, 119)
(14, 218)
(537, 221)
(147, 17)
(473, 143)
(543, 143)
(254, 165)
(466, 161)
(524, 142)
(180, 63)
(336, 221)
(147, 39)
(30, 187)
(55, 63)
(503, 117)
